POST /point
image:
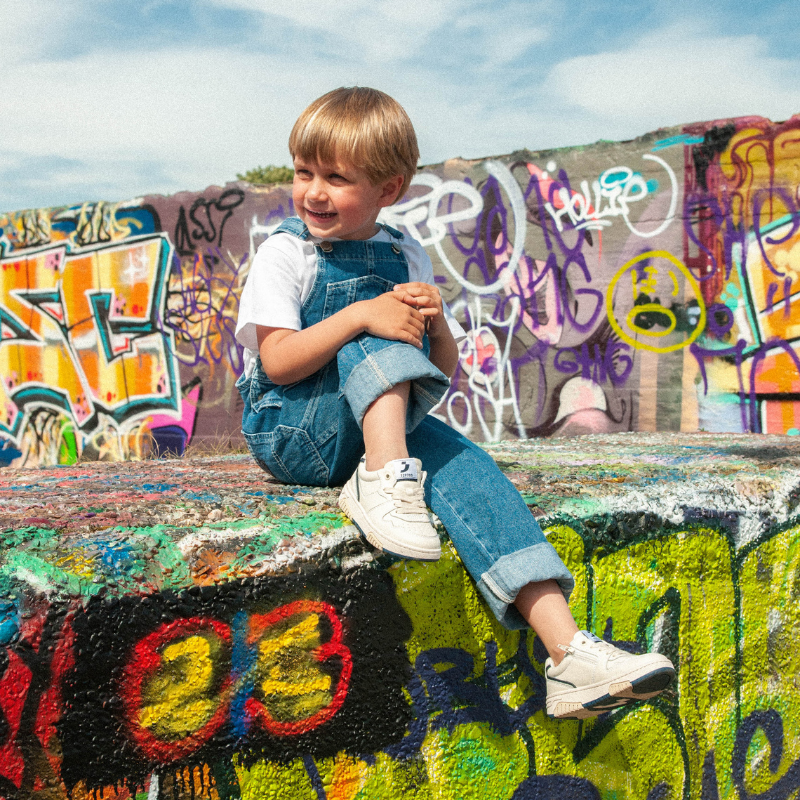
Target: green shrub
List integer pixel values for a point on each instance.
(267, 175)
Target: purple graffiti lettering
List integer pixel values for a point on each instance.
(597, 364)
(720, 319)
(767, 196)
(202, 306)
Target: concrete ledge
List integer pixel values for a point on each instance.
(191, 628)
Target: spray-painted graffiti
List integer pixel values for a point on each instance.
(208, 218)
(91, 318)
(617, 186)
(644, 285)
(741, 229)
(591, 310)
(534, 321)
(265, 652)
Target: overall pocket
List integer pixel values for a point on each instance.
(264, 393)
(340, 294)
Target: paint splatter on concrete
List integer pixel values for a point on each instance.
(182, 628)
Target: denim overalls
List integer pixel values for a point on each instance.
(309, 432)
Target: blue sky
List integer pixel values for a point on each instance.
(112, 99)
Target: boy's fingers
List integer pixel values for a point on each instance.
(407, 299)
(403, 296)
(414, 337)
(416, 288)
(419, 300)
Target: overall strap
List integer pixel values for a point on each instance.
(392, 231)
(295, 226)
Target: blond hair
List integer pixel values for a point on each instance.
(361, 126)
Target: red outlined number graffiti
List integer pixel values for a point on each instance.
(176, 688)
(294, 689)
(181, 683)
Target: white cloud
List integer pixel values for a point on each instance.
(360, 29)
(505, 31)
(29, 30)
(421, 15)
(58, 181)
(200, 114)
(204, 114)
(676, 75)
(179, 108)
(382, 30)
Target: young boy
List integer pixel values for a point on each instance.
(348, 346)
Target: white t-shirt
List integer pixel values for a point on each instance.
(281, 277)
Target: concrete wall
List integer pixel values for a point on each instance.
(646, 285)
(189, 629)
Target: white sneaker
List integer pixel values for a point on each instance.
(388, 507)
(594, 677)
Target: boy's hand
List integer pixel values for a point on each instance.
(427, 300)
(389, 317)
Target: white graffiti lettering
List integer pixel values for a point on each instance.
(618, 188)
(490, 375)
(425, 209)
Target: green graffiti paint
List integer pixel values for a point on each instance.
(687, 545)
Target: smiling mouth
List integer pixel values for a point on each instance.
(321, 214)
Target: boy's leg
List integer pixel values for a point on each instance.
(370, 366)
(544, 608)
(494, 532)
(523, 579)
(384, 427)
(389, 387)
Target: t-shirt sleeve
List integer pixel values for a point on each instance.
(272, 291)
(420, 269)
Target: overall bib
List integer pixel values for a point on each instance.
(309, 432)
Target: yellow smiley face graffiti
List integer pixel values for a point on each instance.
(649, 324)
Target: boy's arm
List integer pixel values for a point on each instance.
(288, 356)
(444, 351)
(426, 298)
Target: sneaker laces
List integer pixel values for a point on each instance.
(408, 497)
(598, 645)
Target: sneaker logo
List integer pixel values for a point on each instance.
(405, 470)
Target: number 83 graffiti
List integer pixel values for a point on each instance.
(287, 671)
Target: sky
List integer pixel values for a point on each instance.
(114, 99)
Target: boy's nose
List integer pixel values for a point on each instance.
(316, 190)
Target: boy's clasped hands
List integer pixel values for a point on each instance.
(406, 313)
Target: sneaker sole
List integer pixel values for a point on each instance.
(583, 703)
(352, 508)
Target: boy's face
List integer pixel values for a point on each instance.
(338, 200)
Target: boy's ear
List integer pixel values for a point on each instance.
(390, 190)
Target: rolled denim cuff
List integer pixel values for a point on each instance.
(383, 368)
(501, 584)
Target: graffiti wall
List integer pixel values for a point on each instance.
(163, 639)
(648, 285)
